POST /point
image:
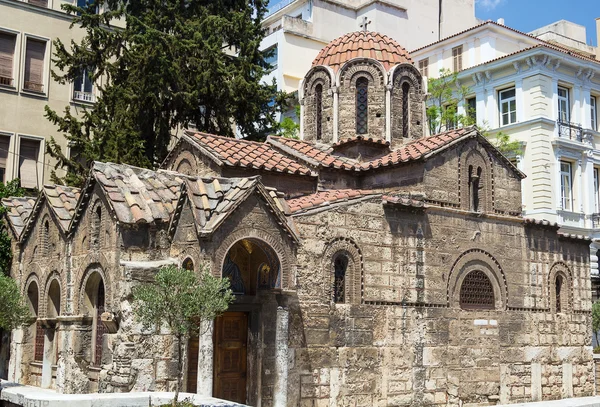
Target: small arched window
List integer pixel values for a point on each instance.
(476, 291)
(405, 109)
(45, 243)
(188, 264)
(558, 283)
(340, 266)
(96, 227)
(319, 110)
(474, 187)
(362, 105)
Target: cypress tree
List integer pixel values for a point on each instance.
(172, 63)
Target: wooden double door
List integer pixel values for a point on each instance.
(231, 356)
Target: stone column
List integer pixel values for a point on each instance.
(48, 357)
(336, 114)
(567, 380)
(388, 112)
(205, 359)
(16, 354)
(536, 381)
(281, 358)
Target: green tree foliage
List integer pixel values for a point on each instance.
(596, 323)
(444, 95)
(180, 300)
(14, 312)
(11, 188)
(174, 62)
(290, 128)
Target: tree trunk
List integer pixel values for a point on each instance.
(179, 369)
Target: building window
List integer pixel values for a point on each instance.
(424, 67)
(474, 187)
(83, 88)
(84, 4)
(471, 107)
(35, 55)
(362, 105)
(593, 113)
(4, 146)
(476, 291)
(566, 187)
(563, 105)
(319, 109)
(41, 3)
(457, 63)
(405, 109)
(188, 264)
(558, 288)
(340, 266)
(96, 227)
(508, 106)
(271, 57)
(7, 55)
(29, 152)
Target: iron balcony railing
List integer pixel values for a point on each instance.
(570, 131)
(83, 96)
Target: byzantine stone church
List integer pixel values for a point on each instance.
(372, 265)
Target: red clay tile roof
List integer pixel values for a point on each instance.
(139, 195)
(18, 211)
(311, 154)
(325, 198)
(362, 44)
(63, 201)
(246, 154)
(419, 148)
(358, 139)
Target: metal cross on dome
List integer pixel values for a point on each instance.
(365, 23)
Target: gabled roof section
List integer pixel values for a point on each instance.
(324, 199)
(312, 154)
(227, 151)
(213, 200)
(18, 212)
(138, 195)
(63, 201)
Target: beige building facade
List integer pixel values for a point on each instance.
(545, 95)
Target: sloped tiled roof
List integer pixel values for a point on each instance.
(362, 44)
(246, 154)
(326, 198)
(63, 201)
(18, 211)
(312, 154)
(139, 195)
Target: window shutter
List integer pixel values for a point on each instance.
(34, 65)
(28, 156)
(7, 52)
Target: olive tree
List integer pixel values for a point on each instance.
(181, 301)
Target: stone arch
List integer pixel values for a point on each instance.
(185, 162)
(560, 273)
(93, 295)
(353, 280)
(32, 294)
(348, 76)
(35, 337)
(407, 107)
(477, 260)
(188, 264)
(93, 262)
(53, 296)
(476, 180)
(318, 76)
(283, 253)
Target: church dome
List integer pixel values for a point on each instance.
(362, 44)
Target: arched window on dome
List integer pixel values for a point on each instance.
(405, 109)
(319, 109)
(362, 105)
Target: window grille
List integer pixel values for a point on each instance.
(362, 105)
(39, 343)
(476, 291)
(319, 108)
(340, 265)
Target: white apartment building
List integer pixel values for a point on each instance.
(544, 92)
(299, 29)
(27, 29)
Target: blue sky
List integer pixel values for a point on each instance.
(527, 15)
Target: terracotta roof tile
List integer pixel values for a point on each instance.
(312, 154)
(62, 200)
(366, 44)
(325, 198)
(138, 195)
(247, 154)
(18, 211)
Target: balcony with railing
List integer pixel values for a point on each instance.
(570, 131)
(6, 81)
(84, 96)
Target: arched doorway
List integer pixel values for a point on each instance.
(94, 302)
(50, 353)
(254, 270)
